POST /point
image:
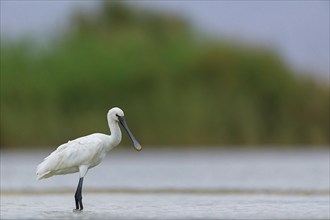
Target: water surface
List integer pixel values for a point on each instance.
(172, 184)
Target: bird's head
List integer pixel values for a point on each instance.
(117, 115)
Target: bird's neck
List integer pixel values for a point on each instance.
(115, 136)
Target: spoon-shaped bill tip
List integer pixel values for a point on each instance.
(138, 147)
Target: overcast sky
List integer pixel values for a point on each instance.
(298, 30)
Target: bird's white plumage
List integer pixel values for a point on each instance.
(88, 151)
(83, 153)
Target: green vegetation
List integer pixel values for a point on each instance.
(175, 87)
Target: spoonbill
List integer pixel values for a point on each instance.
(83, 153)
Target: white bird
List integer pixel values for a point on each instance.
(83, 153)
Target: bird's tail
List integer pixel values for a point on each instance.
(42, 172)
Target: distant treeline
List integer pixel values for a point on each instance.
(176, 86)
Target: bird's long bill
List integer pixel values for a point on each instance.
(136, 144)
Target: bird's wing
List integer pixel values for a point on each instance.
(70, 155)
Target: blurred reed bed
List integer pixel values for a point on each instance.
(176, 85)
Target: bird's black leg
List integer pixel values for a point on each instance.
(78, 197)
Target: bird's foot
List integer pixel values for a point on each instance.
(77, 210)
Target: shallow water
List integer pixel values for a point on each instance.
(169, 184)
(166, 206)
